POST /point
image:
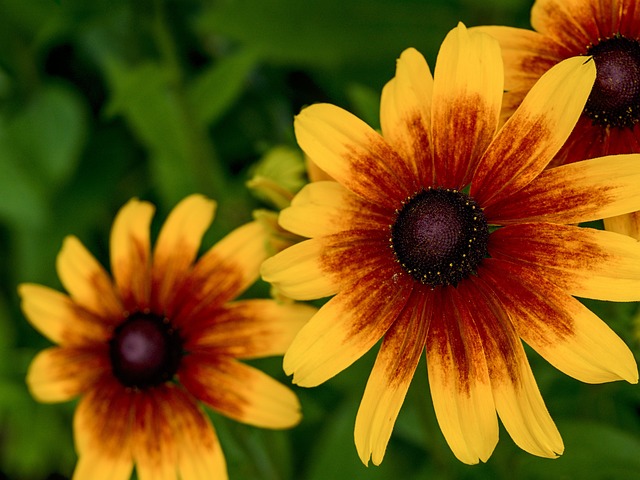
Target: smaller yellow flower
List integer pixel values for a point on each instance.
(144, 348)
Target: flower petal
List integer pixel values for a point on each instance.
(516, 395)
(239, 391)
(628, 224)
(152, 440)
(533, 135)
(130, 253)
(558, 327)
(177, 246)
(346, 327)
(579, 192)
(200, 456)
(57, 317)
(87, 281)
(221, 274)
(325, 208)
(405, 114)
(59, 374)
(575, 23)
(390, 378)
(298, 273)
(354, 154)
(584, 262)
(459, 379)
(250, 329)
(527, 55)
(101, 425)
(467, 94)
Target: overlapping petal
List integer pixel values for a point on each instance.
(533, 135)
(579, 192)
(628, 224)
(60, 374)
(87, 282)
(559, 327)
(57, 317)
(405, 114)
(584, 262)
(130, 248)
(354, 154)
(177, 246)
(459, 379)
(250, 329)
(387, 386)
(467, 94)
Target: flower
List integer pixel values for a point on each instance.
(143, 349)
(446, 235)
(609, 31)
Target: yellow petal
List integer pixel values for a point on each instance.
(405, 113)
(199, 452)
(574, 23)
(59, 374)
(223, 273)
(178, 244)
(325, 208)
(297, 272)
(459, 380)
(345, 328)
(354, 154)
(467, 94)
(533, 135)
(584, 262)
(628, 224)
(251, 329)
(131, 252)
(102, 427)
(239, 391)
(87, 282)
(566, 333)
(579, 192)
(389, 381)
(57, 317)
(515, 392)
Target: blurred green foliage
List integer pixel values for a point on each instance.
(106, 100)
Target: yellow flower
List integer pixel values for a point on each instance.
(448, 235)
(608, 30)
(142, 349)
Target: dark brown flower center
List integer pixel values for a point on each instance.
(440, 236)
(145, 351)
(615, 98)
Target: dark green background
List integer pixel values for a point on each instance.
(101, 101)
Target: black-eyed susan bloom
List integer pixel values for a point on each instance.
(142, 349)
(448, 235)
(607, 30)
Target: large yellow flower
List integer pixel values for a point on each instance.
(608, 30)
(142, 349)
(446, 235)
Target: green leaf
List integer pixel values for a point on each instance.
(48, 135)
(214, 91)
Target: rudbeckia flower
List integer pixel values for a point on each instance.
(446, 235)
(607, 30)
(144, 348)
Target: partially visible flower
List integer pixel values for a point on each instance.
(607, 30)
(447, 234)
(144, 348)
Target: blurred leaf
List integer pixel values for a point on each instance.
(215, 90)
(593, 451)
(366, 103)
(49, 133)
(329, 33)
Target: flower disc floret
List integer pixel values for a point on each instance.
(615, 98)
(440, 236)
(145, 351)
